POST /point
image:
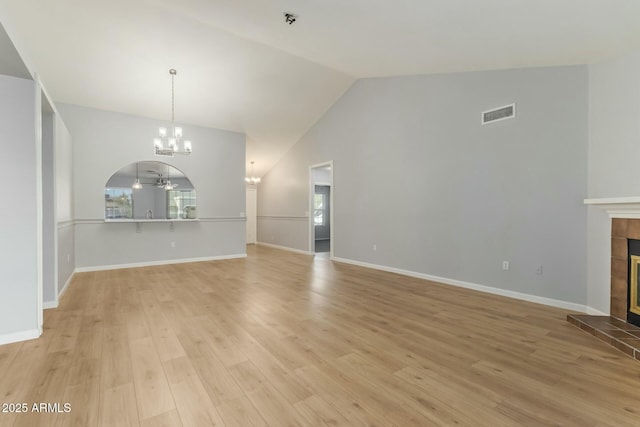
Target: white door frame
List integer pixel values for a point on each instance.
(312, 232)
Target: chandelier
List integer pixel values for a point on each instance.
(170, 143)
(252, 179)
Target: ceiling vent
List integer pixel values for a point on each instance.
(500, 113)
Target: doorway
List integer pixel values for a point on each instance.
(321, 217)
(321, 208)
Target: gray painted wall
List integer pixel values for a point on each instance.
(417, 175)
(49, 224)
(64, 203)
(104, 142)
(66, 254)
(18, 220)
(614, 133)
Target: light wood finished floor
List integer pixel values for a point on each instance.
(280, 339)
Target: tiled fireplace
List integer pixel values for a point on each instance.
(622, 229)
(625, 229)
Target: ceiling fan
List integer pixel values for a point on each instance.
(161, 182)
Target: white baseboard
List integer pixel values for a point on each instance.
(19, 336)
(285, 248)
(54, 304)
(594, 312)
(156, 263)
(66, 285)
(482, 288)
(49, 304)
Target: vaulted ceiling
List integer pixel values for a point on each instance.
(242, 68)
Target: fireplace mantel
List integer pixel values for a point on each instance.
(618, 207)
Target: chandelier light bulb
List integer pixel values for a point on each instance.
(137, 185)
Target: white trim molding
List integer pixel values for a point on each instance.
(476, 287)
(224, 219)
(594, 312)
(54, 304)
(156, 263)
(157, 220)
(66, 285)
(64, 224)
(283, 218)
(48, 305)
(285, 248)
(30, 334)
(618, 207)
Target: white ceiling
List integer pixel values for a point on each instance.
(242, 68)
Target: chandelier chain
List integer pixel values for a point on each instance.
(173, 96)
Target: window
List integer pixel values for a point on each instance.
(118, 203)
(181, 204)
(319, 217)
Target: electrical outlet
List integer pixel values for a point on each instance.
(173, 244)
(375, 247)
(505, 265)
(539, 270)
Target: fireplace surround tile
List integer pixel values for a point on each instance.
(619, 268)
(619, 307)
(622, 229)
(619, 248)
(633, 229)
(619, 227)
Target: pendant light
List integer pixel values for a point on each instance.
(168, 186)
(252, 180)
(168, 144)
(137, 185)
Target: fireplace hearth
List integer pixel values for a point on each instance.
(622, 328)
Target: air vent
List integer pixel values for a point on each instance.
(497, 114)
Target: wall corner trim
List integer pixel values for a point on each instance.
(482, 288)
(66, 285)
(54, 304)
